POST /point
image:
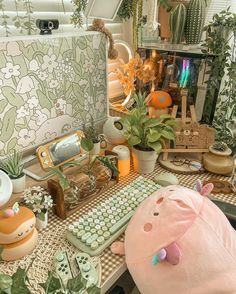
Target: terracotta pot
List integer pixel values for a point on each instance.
(144, 161)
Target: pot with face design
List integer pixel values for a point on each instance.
(18, 236)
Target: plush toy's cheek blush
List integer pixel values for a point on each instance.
(159, 200)
(147, 227)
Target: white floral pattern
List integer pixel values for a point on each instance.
(10, 70)
(45, 92)
(26, 137)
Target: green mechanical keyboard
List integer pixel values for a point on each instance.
(101, 226)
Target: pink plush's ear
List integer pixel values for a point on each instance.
(118, 248)
(199, 185)
(173, 253)
(206, 190)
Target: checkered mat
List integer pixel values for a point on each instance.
(53, 237)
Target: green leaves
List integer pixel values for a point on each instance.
(8, 124)
(19, 282)
(5, 282)
(64, 182)
(133, 140)
(51, 285)
(87, 144)
(156, 146)
(75, 284)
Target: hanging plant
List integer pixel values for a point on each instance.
(4, 18)
(220, 34)
(77, 16)
(29, 24)
(18, 20)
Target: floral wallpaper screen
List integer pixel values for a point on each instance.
(49, 86)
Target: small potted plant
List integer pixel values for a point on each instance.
(146, 136)
(13, 166)
(39, 201)
(91, 133)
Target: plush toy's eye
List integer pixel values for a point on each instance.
(156, 213)
(147, 227)
(31, 226)
(171, 190)
(20, 234)
(160, 200)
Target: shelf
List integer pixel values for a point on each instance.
(191, 49)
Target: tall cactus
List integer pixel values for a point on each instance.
(196, 13)
(177, 23)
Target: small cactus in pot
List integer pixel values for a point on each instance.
(177, 23)
(196, 13)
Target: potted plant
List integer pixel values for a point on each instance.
(13, 166)
(91, 133)
(39, 201)
(146, 136)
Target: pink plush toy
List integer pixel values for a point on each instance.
(178, 241)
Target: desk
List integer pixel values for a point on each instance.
(53, 238)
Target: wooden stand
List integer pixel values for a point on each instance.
(191, 137)
(61, 208)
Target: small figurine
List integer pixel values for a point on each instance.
(18, 236)
(158, 103)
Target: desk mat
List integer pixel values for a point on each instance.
(53, 237)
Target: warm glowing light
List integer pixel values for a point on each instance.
(123, 159)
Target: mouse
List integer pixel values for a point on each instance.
(166, 179)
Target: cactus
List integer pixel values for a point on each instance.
(196, 13)
(177, 23)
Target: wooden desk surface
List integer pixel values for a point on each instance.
(53, 237)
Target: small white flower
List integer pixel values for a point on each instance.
(13, 49)
(25, 85)
(22, 112)
(89, 66)
(26, 137)
(96, 81)
(53, 84)
(10, 70)
(42, 75)
(101, 65)
(33, 102)
(37, 207)
(49, 62)
(83, 82)
(33, 65)
(60, 104)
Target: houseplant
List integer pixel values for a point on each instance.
(39, 201)
(92, 133)
(146, 136)
(219, 48)
(13, 166)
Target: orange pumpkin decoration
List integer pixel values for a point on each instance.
(159, 100)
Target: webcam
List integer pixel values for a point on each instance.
(47, 25)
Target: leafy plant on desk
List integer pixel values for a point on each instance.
(220, 34)
(55, 285)
(13, 165)
(19, 283)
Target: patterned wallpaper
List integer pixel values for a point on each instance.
(49, 86)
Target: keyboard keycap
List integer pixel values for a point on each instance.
(121, 223)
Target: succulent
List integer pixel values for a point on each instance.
(177, 23)
(13, 165)
(140, 99)
(220, 146)
(196, 13)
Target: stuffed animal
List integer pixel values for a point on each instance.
(18, 235)
(178, 241)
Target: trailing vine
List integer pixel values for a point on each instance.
(4, 18)
(77, 16)
(221, 32)
(29, 23)
(17, 20)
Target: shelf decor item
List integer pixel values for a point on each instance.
(158, 103)
(196, 13)
(146, 137)
(39, 201)
(18, 236)
(218, 160)
(177, 22)
(13, 166)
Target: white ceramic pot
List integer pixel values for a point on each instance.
(113, 131)
(42, 224)
(18, 184)
(96, 149)
(144, 161)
